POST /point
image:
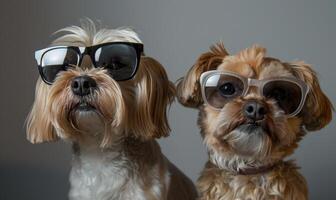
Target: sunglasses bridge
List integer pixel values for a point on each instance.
(252, 82)
(85, 51)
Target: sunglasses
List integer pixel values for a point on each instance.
(220, 87)
(120, 59)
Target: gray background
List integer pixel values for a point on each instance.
(175, 32)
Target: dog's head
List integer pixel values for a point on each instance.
(106, 88)
(253, 108)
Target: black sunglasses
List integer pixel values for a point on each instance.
(120, 59)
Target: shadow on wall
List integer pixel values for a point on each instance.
(35, 182)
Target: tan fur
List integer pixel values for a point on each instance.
(188, 89)
(318, 108)
(181, 188)
(152, 106)
(39, 127)
(231, 151)
(282, 183)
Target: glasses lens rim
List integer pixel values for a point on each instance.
(205, 77)
(40, 66)
(137, 47)
(304, 89)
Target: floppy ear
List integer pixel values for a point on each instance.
(317, 111)
(188, 87)
(154, 94)
(39, 128)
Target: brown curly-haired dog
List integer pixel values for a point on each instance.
(253, 112)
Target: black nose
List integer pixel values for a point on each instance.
(254, 110)
(83, 85)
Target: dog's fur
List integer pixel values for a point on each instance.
(115, 152)
(233, 149)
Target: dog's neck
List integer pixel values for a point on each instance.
(121, 145)
(92, 130)
(257, 170)
(91, 146)
(241, 165)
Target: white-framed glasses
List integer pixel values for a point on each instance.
(220, 87)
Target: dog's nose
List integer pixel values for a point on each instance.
(83, 85)
(255, 110)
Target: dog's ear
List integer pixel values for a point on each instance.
(317, 110)
(188, 87)
(154, 95)
(38, 126)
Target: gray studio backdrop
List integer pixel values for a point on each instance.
(175, 32)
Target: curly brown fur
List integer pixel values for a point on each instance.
(233, 147)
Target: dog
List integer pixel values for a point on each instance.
(99, 91)
(253, 111)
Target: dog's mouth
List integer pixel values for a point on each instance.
(81, 107)
(85, 118)
(247, 126)
(248, 138)
(251, 127)
(84, 106)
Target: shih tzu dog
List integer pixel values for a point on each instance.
(253, 111)
(98, 90)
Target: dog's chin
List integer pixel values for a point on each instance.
(249, 139)
(87, 119)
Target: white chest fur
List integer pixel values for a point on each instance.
(108, 175)
(102, 176)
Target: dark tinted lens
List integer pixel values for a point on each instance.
(119, 59)
(287, 94)
(221, 88)
(56, 60)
